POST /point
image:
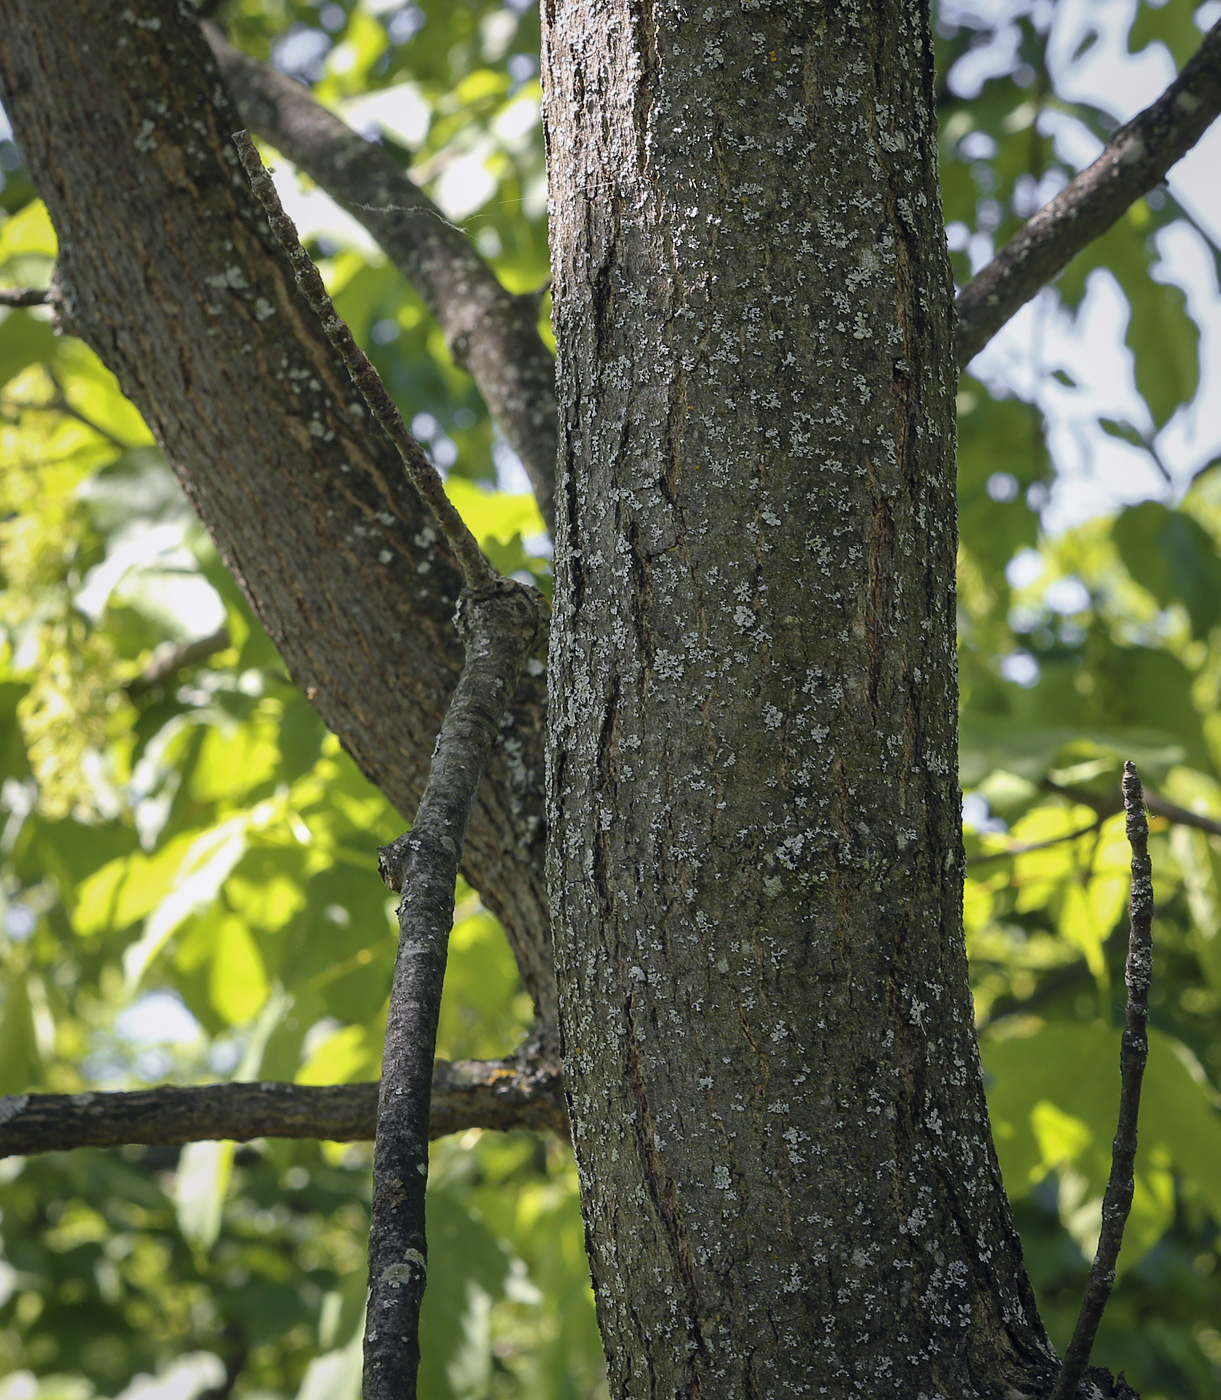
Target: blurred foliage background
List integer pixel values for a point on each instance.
(187, 859)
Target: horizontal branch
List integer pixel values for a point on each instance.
(1136, 159)
(24, 296)
(499, 1094)
(489, 331)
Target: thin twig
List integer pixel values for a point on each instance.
(24, 296)
(1023, 850)
(1136, 159)
(58, 403)
(167, 661)
(500, 622)
(499, 627)
(476, 571)
(1134, 1052)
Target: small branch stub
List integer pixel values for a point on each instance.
(1134, 1052)
(25, 296)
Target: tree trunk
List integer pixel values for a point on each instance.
(788, 1178)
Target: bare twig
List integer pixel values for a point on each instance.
(24, 296)
(1026, 849)
(476, 571)
(499, 627)
(59, 403)
(489, 331)
(1134, 1051)
(1134, 161)
(465, 1094)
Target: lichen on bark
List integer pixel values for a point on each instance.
(755, 865)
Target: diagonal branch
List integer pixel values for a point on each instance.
(477, 573)
(25, 296)
(1108, 804)
(170, 274)
(1136, 159)
(500, 1094)
(491, 332)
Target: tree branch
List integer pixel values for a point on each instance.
(1134, 1052)
(1135, 160)
(477, 573)
(25, 296)
(488, 330)
(499, 627)
(1107, 805)
(500, 623)
(197, 315)
(499, 1094)
(1028, 847)
(167, 661)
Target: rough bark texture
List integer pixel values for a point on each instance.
(499, 625)
(465, 1094)
(775, 1092)
(490, 331)
(167, 270)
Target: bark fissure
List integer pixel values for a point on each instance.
(754, 984)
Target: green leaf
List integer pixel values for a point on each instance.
(497, 515)
(1172, 555)
(468, 1269)
(335, 1375)
(204, 1170)
(1200, 864)
(1171, 23)
(1053, 1098)
(25, 339)
(20, 1062)
(204, 869)
(1165, 343)
(238, 983)
(14, 760)
(27, 232)
(1125, 432)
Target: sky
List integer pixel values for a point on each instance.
(1097, 473)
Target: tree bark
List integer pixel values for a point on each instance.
(775, 1092)
(167, 270)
